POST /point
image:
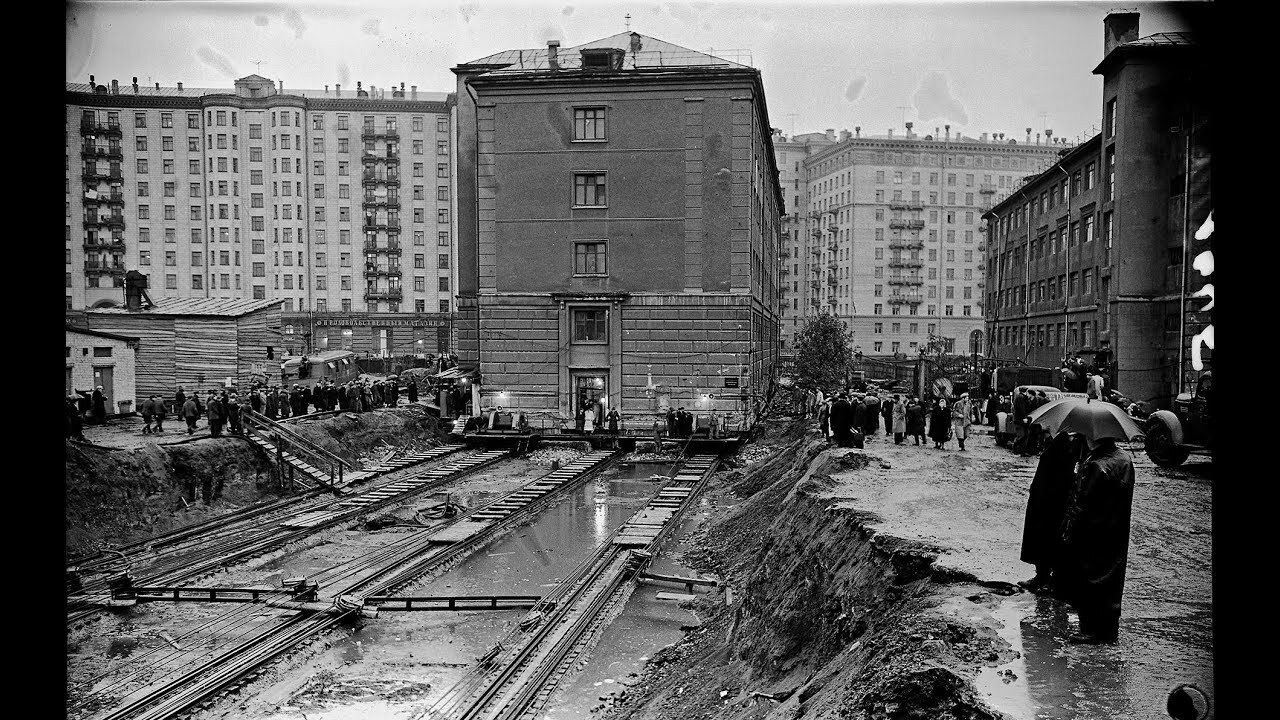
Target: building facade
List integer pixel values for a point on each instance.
(887, 235)
(1132, 297)
(619, 219)
(338, 203)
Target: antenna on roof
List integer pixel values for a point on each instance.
(258, 63)
(627, 18)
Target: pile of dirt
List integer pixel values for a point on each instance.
(121, 496)
(351, 435)
(820, 616)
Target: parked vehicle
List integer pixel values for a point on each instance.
(1172, 435)
(339, 366)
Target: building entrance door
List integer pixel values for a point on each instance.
(590, 390)
(105, 376)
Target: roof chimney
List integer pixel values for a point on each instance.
(553, 54)
(909, 125)
(413, 92)
(948, 127)
(281, 86)
(1037, 138)
(115, 87)
(179, 87)
(858, 130)
(845, 135)
(1028, 136)
(1048, 136)
(135, 84)
(831, 133)
(890, 133)
(984, 137)
(91, 82)
(337, 90)
(157, 86)
(1118, 29)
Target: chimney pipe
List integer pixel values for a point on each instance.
(1048, 136)
(909, 125)
(135, 84)
(337, 90)
(401, 87)
(948, 128)
(281, 86)
(91, 82)
(858, 131)
(413, 92)
(1118, 28)
(984, 137)
(1028, 136)
(115, 87)
(179, 87)
(1037, 138)
(553, 54)
(157, 86)
(890, 133)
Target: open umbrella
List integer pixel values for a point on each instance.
(1093, 419)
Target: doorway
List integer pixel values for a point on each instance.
(105, 376)
(590, 390)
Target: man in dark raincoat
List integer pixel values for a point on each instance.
(842, 421)
(1046, 504)
(1095, 541)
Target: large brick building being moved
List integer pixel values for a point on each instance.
(619, 218)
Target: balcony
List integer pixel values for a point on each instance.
(905, 206)
(374, 178)
(987, 189)
(390, 158)
(383, 294)
(814, 285)
(99, 127)
(904, 299)
(91, 151)
(816, 232)
(376, 225)
(832, 243)
(832, 300)
(906, 244)
(375, 271)
(905, 281)
(93, 267)
(387, 202)
(832, 279)
(111, 175)
(389, 248)
(115, 221)
(113, 198)
(100, 246)
(369, 132)
(906, 224)
(815, 250)
(906, 263)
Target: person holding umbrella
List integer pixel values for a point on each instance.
(1046, 505)
(1095, 526)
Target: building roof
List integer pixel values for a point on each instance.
(653, 54)
(219, 307)
(99, 333)
(1067, 155)
(193, 92)
(1158, 42)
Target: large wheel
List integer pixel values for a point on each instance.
(1160, 445)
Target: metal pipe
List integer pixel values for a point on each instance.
(1186, 224)
(1065, 300)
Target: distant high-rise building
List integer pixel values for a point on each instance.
(885, 232)
(339, 203)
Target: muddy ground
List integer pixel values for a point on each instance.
(880, 583)
(123, 486)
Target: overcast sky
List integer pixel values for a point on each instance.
(989, 67)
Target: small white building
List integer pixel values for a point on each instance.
(97, 358)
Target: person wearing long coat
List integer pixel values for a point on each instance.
(366, 398)
(612, 418)
(216, 416)
(157, 409)
(413, 391)
(842, 421)
(940, 424)
(858, 414)
(284, 402)
(1046, 506)
(1095, 541)
(99, 410)
(672, 430)
(899, 421)
(961, 418)
(824, 419)
(271, 403)
(915, 421)
(190, 413)
(886, 412)
(872, 416)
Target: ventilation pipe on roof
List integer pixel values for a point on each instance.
(890, 133)
(91, 82)
(1048, 136)
(909, 126)
(157, 86)
(413, 92)
(1037, 138)
(553, 54)
(337, 90)
(1028, 136)
(857, 131)
(135, 84)
(115, 87)
(179, 87)
(948, 127)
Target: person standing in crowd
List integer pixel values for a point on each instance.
(961, 418)
(916, 420)
(886, 412)
(283, 402)
(1021, 409)
(993, 409)
(671, 422)
(940, 424)
(158, 412)
(179, 399)
(216, 415)
(872, 414)
(824, 419)
(1095, 541)
(899, 419)
(147, 413)
(366, 397)
(1096, 386)
(842, 421)
(191, 413)
(255, 400)
(612, 418)
(272, 403)
(75, 423)
(233, 414)
(99, 409)
(1046, 506)
(413, 391)
(858, 413)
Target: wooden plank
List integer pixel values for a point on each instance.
(679, 597)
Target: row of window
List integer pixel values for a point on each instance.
(1069, 335)
(1077, 282)
(847, 158)
(219, 118)
(224, 234)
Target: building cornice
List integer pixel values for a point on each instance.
(127, 101)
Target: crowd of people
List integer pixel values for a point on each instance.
(849, 418)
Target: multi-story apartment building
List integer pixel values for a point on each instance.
(1106, 273)
(888, 233)
(791, 155)
(337, 202)
(619, 228)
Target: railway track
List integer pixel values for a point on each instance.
(383, 571)
(192, 552)
(518, 678)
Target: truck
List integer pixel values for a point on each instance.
(1173, 435)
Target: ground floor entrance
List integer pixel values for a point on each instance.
(590, 391)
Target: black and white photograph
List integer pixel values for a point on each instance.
(596, 360)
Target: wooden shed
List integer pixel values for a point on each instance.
(197, 343)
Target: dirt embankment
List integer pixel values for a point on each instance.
(119, 496)
(823, 617)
